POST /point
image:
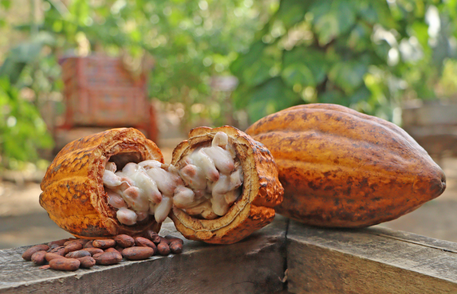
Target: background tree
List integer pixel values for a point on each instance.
(364, 54)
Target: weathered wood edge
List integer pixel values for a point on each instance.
(254, 265)
(373, 260)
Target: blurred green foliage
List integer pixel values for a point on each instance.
(369, 55)
(365, 54)
(21, 127)
(189, 40)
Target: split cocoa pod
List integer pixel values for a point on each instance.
(220, 187)
(342, 168)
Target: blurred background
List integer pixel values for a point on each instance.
(69, 68)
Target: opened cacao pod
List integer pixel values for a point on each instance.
(220, 187)
(342, 168)
(73, 191)
(261, 190)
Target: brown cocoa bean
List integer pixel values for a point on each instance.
(103, 243)
(171, 239)
(140, 241)
(73, 247)
(108, 258)
(27, 255)
(86, 261)
(163, 247)
(58, 250)
(176, 247)
(64, 264)
(137, 253)
(45, 266)
(93, 250)
(57, 242)
(80, 241)
(97, 255)
(124, 240)
(89, 244)
(153, 236)
(111, 249)
(77, 254)
(38, 257)
(50, 256)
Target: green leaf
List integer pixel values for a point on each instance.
(332, 18)
(245, 60)
(312, 59)
(361, 94)
(359, 37)
(348, 75)
(298, 73)
(271, 96)
(334, 96)
(5, 3)
(291, 12)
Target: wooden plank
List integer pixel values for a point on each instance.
(255, 265)
(373, 260)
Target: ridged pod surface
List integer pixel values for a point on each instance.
(261, 192)
(342, 168)
(73, 192)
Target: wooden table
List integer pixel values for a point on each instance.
(283, 257)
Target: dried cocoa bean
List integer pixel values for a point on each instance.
(97, 255)
(153, 236)
(137, 253)
(140, 241)
(93, 250)
(108, 258)
(77, 254)
(65, 264)
(50, 256)
(171, 239)
(89, 245)
(58, 250)
(73, 247)
(176, 247)
(80, 241)
(27, 255)
(57, 242)
(124, 240)
(38, 257)
(45, 266)
(111, 249)
(163, 247)
(86, 262)
(104, 243)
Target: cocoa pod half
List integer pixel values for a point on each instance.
(253, 209)
(73, 192)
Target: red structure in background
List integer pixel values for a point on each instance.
(99, 92)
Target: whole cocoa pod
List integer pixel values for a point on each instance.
(342, 168)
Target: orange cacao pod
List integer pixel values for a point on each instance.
(261, 191)
(73, 193)
(341, 168)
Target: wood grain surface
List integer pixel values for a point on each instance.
(373, 260)
(254, 265)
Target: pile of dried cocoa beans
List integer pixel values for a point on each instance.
(71, 254)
